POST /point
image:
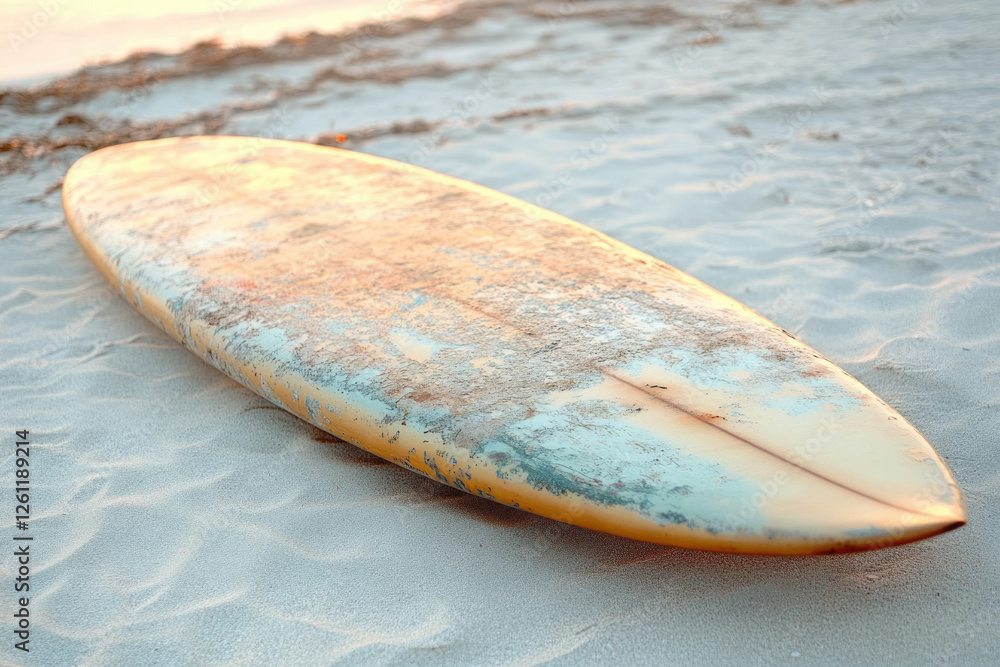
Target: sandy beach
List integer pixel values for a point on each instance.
(834, 166)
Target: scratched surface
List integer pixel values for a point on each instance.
(502, 349)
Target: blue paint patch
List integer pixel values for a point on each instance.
(865, 532)
(613, 462)
(313, 408)
(432, 464)
(415, 300)
(710, 370)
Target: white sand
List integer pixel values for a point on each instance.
(178, 519)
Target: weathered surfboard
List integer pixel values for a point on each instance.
(503, 349)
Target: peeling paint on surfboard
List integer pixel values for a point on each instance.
(523, 358)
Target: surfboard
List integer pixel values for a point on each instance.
(503, 349)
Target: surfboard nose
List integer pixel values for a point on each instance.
(811, 463)
(847, 487)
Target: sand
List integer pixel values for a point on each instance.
(833, 166)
